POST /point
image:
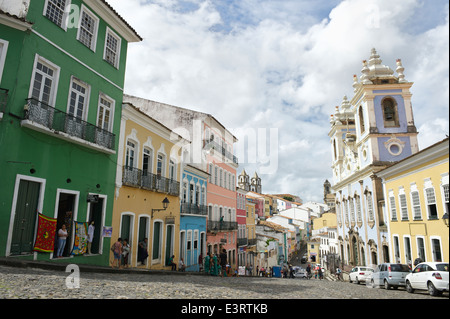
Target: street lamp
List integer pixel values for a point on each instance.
(445, 219)
(165, 203)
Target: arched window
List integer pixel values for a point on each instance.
(390, 113)
(361, 120)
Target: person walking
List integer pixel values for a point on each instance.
(338, 273)
(308, 271)
(320, 272)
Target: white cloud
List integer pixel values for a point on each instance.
(284, 64)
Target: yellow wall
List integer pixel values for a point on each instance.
(137, 202)
(426, 228)
(326, 220)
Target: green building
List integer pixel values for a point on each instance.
(62, 70)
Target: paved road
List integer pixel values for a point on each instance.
(50, 284)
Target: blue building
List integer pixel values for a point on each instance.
(369, 132)
(193, 211)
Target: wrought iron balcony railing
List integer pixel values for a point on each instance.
(215, 146)
(242, 241)
(194, 209)
(138, 178)
(221, 225)
(3, 99)
(58, 121)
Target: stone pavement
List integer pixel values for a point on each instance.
(32, 281)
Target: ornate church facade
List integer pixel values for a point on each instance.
(369, 132)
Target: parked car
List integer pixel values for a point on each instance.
(300, 273)
(360, 274)
(390, 275)
(431, 276)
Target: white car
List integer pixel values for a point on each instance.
(431, 276)
(360, 274)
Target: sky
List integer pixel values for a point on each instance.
(276, 69)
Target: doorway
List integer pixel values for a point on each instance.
(66, 206)
(25, 217)
(169, 242)
(96, 215)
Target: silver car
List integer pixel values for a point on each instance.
(390, 275)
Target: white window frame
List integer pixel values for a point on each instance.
(3, 51)
(428, 185)
(403, 204)
(393, 206)
(87, 87)
(119, 46)
(111, 111)
(88, 12)
(127, 153)
(55, 78)
(415, 204)
(65, 17)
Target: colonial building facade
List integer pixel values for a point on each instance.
(369, 132)
(60, 123)
(416, 192)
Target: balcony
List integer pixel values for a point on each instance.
(252, 241)
(138, 178)
(194, 209)
(3, 101)
(46, 119)
(221, 150)
(215, 226)
(242, 241)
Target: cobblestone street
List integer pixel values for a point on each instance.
(27, 283)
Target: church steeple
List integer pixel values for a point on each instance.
(376, 125)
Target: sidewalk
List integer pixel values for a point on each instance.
(61, 266)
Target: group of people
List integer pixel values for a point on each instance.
(212, 263)
(121, 251)
(318, 272)
(64, 232)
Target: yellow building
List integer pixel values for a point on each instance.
(416, 200)
(148, 173)
(250, 206)
(270, 206)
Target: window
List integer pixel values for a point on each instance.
(3, 49)
(403, 206)
(358, 208)
(431, 203)
(105, 109)
(416, 204)
(197, 194)
(352, 210)
(87, 29)
(393, 208)
(147, 161)
(130, 155)
(78, 99)
(172, 170)
(54, 11)
(185, 195)
(160, 165)
(361, 120)
(369, 205)
(44, 82)
(446, 198)
(191, 193)
(112, 48)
